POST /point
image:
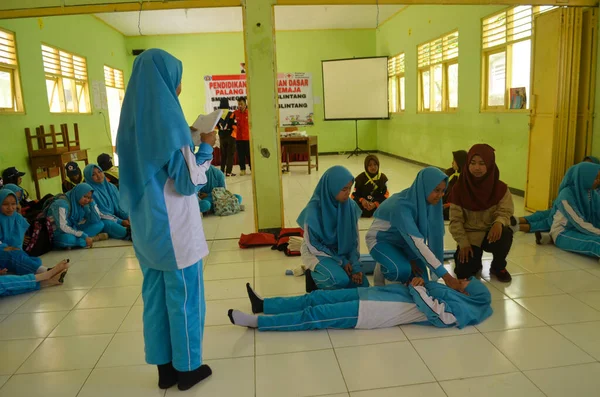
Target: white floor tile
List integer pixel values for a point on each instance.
(30, 325)
(216, 311)
(535, 348)
(91, 322)
(228, 341)
(66, 353)
(220, 382)
(52, 301)
(559, 309)
(124, 349)
(15, 352)
(579, 261)
(508, 315)
(269, 268)
(9, 304)
(513, 385)
(280, 285)
(576, 380)
(133, 321)
(76, 281)
(121, 278)
(90, 266)
(126, 263)
(575, 281)
(527, 285)
(219, 257)
(226, 289)
(584, 335)
(138, 381)
(298, 374)
(590, 298)
(543, 263)
(289, 342)
(110, 297)
(267, 254)
(225, 271)
(413, 331)
(49, 384)
(3, 380)
(359, 337)
(225, 245)
(464, 356)
(423, 390)
(384, 365)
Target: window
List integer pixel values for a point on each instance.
(66, 81)
(11, 100)
(396, 83)
(115, 92)
(506, 38)
(438, 74)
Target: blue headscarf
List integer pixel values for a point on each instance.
(152, 125)
(468, 309)
(12, 228)
(106, 194)
(331, 222)
(76, 212)
(214, 178)
(410, 212)
(580, 194)
(593, 159)
(15, 189)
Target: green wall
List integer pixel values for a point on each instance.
(82, 35)
(596, 126)
(431, 138)
(297, 51)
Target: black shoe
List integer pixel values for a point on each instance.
(310, 283)
(187, 380)
(167, 376)
(502, 275)
(256, 302)
(538, 238)
(513, 221)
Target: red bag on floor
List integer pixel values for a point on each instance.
(284, 239)
(256, 240)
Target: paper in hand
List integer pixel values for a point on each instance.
(205, 123)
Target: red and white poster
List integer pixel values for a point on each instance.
(295, 95)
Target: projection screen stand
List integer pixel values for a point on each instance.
(357, 151)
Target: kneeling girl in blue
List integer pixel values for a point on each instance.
(106, 197)
(330, 222)
(76, 219)
(576, 213)
(12, 232)
(407, 235)
(214, 178)
(427, 303)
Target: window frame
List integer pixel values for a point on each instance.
(15, 80)
(445, 64)
(59, 84)
(396, 77)
(506, 47)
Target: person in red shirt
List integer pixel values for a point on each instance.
(243, 135)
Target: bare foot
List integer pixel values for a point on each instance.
(100, 237)
(53, 276)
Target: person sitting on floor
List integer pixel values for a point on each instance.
(370, 187)
(407, 235)
(330, 249)
(74, 176)
(75, 219)
(576, 213)
(12, 233)
(29, 208)
(110, 171)
(15, 285)
(540, 222)
(459, 159)
(106, 197)
(421, 302)
(214, 178)
(480, 209)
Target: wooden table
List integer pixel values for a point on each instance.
(55, 160)
(301, 145)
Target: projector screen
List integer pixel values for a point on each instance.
(355, 89)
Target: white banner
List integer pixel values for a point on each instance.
(295, 95)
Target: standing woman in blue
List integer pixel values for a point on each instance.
(75, 219)
(330, 223)
(576, 212)
(407, 235)
(106, 197)
(159, 180)
(12, 232)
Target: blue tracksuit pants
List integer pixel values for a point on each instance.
(395, 265)
(328, 274)
(317, 310)
(114, 230)
(573, 241)
(539, 221)
(66, 240)
(19, 262)
(14, 285)
(174, 310)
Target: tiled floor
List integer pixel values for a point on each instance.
(85, 337)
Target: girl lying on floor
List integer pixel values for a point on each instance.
(370, 188)
(421, 302)
(576, 213)
(540, 221)
(15, 285)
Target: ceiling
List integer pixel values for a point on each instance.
(229, 19)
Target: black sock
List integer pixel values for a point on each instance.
(167, 376)
(256, 301)
(188, 379)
